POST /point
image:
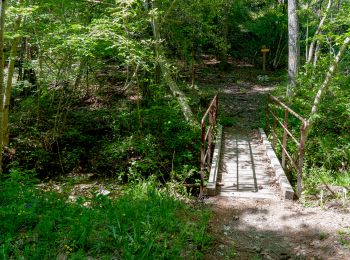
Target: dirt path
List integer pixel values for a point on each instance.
(274, 228)
(277, 229)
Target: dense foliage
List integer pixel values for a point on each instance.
(143, 222)
(95, 103)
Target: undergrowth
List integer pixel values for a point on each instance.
(145, 222)
(120, 138)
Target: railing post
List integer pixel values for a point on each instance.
(274, 127)
(216, 108)
(285, 136)
(267, 113)
(303, 137)
(210, 137)
(201, 188)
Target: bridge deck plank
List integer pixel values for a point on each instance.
(243, 172)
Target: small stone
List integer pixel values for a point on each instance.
(104, 192)
(227, 228)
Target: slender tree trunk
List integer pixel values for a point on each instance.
(193, 69)
(21, 60)
(176, 92)
(2, 74)
(339, 5)
(39, 86)
(8, 90)
(278, 51)
(316, 53)
(293, 44)
(79, 75)
(307, 38)
(224, 58)
(87, 79)
(318, 31)
(331, 71)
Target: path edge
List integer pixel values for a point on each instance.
(286, 188)
(214, 169)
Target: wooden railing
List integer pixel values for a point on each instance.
(208, 124)
(273, 105)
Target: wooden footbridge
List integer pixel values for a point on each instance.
(244, 165)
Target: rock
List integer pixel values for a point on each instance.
(227, 228)
(104, 192)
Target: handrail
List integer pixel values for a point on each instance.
(297, 165)
(287, 108)
(207, 137)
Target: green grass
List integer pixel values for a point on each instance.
(344, 237)
(316, 177)
(145, 222)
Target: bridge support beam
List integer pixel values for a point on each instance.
(286, 188)
(214, 170)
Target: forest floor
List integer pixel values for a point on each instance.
(268, 229)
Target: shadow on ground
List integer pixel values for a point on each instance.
(263, 229)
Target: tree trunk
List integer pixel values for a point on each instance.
(279, 52)
(293, 45)
(176, 92)
(21, 60)
(29, 73)
(225, 30)
(317, 50)
(331, 71)
(318, 31)
(39, 86)
(307, 38)
(193, 69)
(8, 90)
(2, 84)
